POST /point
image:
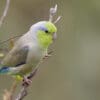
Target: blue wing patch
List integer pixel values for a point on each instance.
(4, 70)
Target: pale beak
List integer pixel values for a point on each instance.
(54, 36)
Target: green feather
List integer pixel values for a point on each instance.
(51, 27)
(44, 39)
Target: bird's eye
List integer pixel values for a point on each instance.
(46, 31)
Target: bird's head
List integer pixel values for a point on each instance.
(45, 32)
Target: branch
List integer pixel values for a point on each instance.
(53, 12)
(10, 39)
(8, 95)
(23, 92)
(4, 12)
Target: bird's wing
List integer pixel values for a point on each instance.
(16, 56)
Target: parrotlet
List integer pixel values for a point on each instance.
(29, 49)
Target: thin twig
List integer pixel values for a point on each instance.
(52, 13)
(2, 20)
(8, 95)
(4, 12)
(23, 91)
(59, 17)
(10, 39)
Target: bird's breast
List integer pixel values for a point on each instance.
(35, 54)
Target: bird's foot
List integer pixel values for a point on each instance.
(46, 56)
(49, 54)
(26, 81)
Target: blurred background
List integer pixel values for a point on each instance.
(73, 72)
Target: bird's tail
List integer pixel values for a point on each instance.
(10, 71)
(4, 70)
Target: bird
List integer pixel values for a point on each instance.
(29, 49)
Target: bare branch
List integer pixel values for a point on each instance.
(8, 95)
(10, 39)
(4, 12)
(53, 12)
(59, 17)
(23, 92)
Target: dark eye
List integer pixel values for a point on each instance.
(46, 31)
